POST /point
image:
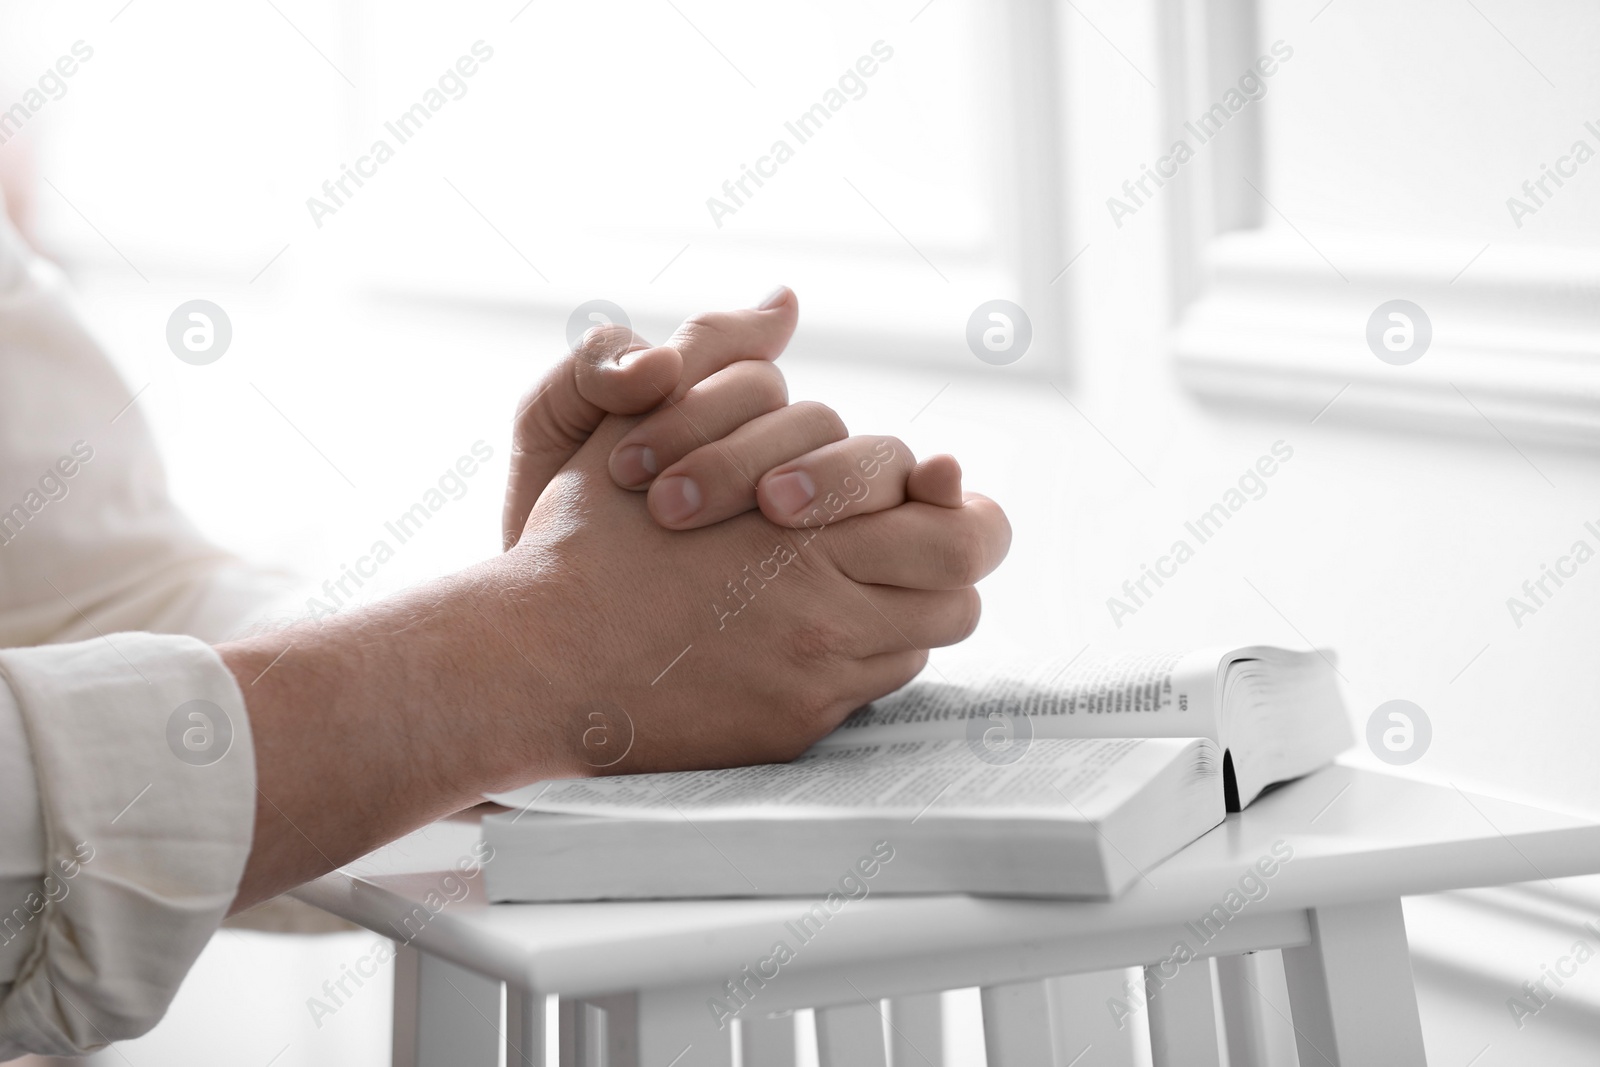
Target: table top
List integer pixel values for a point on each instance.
(1350, 835)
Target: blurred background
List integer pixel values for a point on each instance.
(1180, 329)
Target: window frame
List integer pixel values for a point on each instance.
(1024, 134)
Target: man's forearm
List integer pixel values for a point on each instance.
(369, 725)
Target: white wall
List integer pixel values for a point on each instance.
(1398, 549)
(1421, 118)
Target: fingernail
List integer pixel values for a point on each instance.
(635, 464)
(774, 298)
(628, 359)
(677, 498)
(791, 491)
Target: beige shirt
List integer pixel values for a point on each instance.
(127, 774)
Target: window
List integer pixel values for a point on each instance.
(896, 163)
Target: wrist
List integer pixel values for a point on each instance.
(523, 685)
(370, 723)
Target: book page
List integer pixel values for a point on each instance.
(1156, 694)
(1069, 779)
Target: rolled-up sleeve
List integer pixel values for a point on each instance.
(127, 774)
(145, 787)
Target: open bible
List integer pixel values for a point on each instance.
(1063, 780)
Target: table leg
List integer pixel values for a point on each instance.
(1016, 1024)
(1255, 1009)
(599, 1031)
(570, 1023)
(444, 1015)
(916, 1030)
(1351, 991)
(1183, 1017)
(619, 1017)
(524, 1028)
(406, 995)
(851, 1035)
(1085, 1023)
(674, 1027)
(767, 1040)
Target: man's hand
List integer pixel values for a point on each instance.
(741, 642)
(614, 370)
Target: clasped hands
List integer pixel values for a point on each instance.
(717, 573)
(798, 572)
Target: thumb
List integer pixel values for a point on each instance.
(611, 371)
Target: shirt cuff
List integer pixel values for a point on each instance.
(146, 783)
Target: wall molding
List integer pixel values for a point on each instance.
(1515, 348)
(1262, 319)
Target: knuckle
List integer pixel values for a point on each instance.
(966, 613)
(751, 387)
(912, 663)
(525, 404)
(822, 418)
(603, 341)
(706, 324)
(819, 642)
(991, 518)
(892, 450)
(961, 559)
(531, 424)
(766, 383)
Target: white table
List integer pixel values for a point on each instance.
(635, 978)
